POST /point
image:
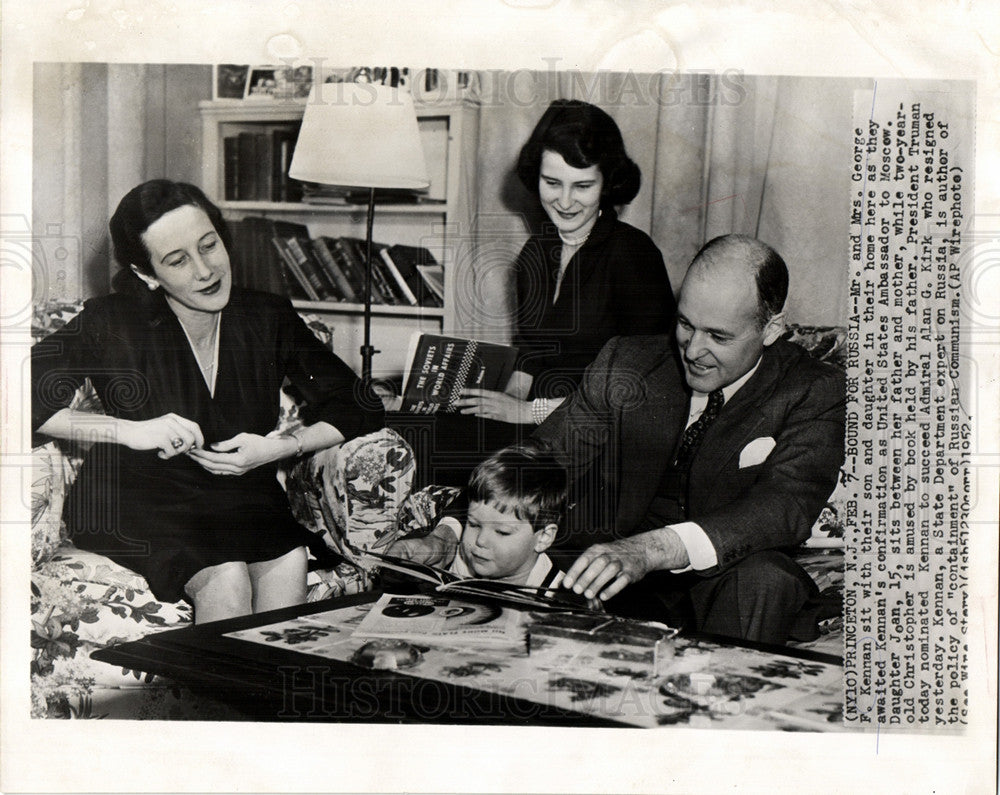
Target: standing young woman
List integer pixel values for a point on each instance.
(588, 276)
(181, 487)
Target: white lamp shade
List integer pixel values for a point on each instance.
(360, 135)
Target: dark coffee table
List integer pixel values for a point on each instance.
(296, 664)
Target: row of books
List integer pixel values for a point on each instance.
(255, 165)
(315, 193)
(280, 256)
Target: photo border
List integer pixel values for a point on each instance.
(952, 44)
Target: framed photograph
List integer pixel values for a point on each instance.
(279, 82)
(392, 76)
(230, 81)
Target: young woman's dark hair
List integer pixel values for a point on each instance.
(139, 209)
(585, 136)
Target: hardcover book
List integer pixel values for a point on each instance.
(356, 251)
(341, 256)
(246, 177)
(433, 277)
(397, 276)
(446, 584)
(380, 272)
(299, 284)
(324, 250)
(405, 262)
(440, 367)
(296, 241)
(231, 167)
(255, 165)
(264, 164)
(256, 262)
(284, 188)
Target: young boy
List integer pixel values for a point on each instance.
(516, 498)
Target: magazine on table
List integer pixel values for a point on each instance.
(426, 617)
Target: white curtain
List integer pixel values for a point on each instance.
(99, 130)
(721, 153)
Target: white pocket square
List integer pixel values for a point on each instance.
(756, 452)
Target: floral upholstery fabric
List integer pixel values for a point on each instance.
(346, 492)
(422, 508)
(355, 497)
(51, 316)
(54, 467)
(81, 601)
(826, 343)
(51, 472)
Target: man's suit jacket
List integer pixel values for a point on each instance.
(632, 407)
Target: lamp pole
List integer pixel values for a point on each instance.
(367, 139)
(367, 350)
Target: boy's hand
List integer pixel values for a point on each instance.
(437, 548)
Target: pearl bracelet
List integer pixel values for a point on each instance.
(539, 410)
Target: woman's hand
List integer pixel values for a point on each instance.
(243, 452)
(495, 406)
(171, 434)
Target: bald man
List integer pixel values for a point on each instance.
(716, 449)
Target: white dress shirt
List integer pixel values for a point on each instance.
(700, 550)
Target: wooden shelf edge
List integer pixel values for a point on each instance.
(434, 312)
(343, 209)
(424, 107)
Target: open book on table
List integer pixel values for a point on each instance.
(445, 583)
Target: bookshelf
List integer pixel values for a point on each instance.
(442, 223)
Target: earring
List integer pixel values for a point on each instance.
(152, 287)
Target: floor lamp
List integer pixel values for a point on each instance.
(360, 135)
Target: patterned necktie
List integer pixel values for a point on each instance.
(696, 430)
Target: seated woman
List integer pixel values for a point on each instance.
(181, 485)
(585, 278)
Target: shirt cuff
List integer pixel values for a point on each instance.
(701, 552)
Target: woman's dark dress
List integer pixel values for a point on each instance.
(616, 284)
(169, 519)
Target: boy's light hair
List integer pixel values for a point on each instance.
(524, 479)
